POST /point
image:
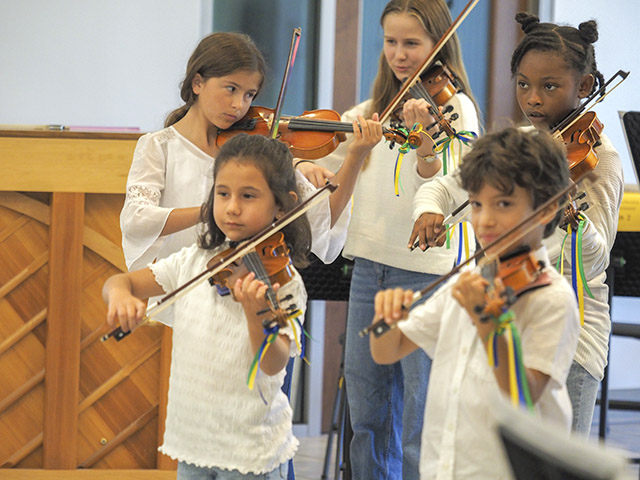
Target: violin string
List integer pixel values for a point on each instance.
(255, 265)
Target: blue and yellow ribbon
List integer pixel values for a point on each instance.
(578, 278)
(406, 147)
(271, 333)
(519, 391)
(446, 146)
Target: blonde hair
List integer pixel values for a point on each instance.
(435, 18)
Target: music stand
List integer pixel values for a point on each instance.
(631, 129)
(540, 450)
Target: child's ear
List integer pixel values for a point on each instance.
(586, 85)
(294, 196)
(197, 83)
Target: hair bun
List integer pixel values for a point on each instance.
(528, 21)
(589, 31)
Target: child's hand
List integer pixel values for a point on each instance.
(470, 292)
(388, 305)
(366, 134)
(124, 308)
(316, 174)
(426, 230)
(417, 111)
(251, 293)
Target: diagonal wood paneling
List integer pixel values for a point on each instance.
(118, 387)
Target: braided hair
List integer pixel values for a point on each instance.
(575, 45)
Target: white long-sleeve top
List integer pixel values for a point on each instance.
(459, 439)
(167, 172)
(604, 195)
(213, 418)
(381, 221)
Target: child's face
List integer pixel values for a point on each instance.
(493, 213)
(222, 101)
(547, 89)
(406, 44)
(243, 203)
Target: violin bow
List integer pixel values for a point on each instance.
(500, 244)
(293, 51)
(242, 249)
(415, 78)
(582, 109)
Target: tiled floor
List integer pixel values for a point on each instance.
(623, 433)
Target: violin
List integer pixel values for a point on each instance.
(580, 139)
(271, 264)
(312, 135)
(510, 277)
(437, 86)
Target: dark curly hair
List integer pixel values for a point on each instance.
(532, 159)
(575, 45)
(274, 160)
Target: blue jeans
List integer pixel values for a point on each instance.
(583, 390)
(187, 471)
(383, 398)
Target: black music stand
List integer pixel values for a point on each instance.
(540, 450)
(623, 278)
(631, 128)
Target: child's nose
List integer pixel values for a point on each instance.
(534, 98)
(233, 207)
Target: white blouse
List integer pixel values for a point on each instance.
(167, 172)
(213, 418)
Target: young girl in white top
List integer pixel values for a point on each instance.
(386, 402)
(555, 68)
(215, 424)
(171, 171)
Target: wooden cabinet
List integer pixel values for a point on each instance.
(68, 400)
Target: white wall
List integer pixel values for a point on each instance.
(87, 62)
(615, 50)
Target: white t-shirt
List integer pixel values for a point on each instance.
(458, 438)
(213, 418)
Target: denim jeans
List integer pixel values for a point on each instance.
(386, 402)
(583, 390)
(187, 471)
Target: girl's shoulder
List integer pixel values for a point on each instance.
(159, 136)
(359, 109)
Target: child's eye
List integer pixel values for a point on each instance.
(522, 84)
(390, 41)
(251, 95)
(550, 86)
(249, 195)
(221, 194)
(231, 88)
(474, 204)
(504, 203)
